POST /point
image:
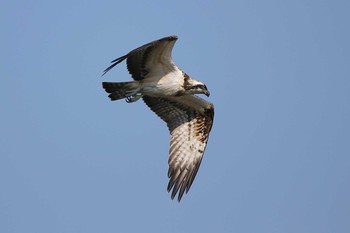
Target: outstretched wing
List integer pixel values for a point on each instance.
(189, 119)
(151, 58)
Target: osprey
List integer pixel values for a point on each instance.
(170, 93)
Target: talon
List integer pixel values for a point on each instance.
(133, 98)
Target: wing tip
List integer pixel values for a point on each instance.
(169, 38)
(115, 62)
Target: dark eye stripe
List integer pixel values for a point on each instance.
(196, 86)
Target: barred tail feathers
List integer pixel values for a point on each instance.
(120, 90)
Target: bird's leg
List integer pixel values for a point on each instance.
(133, 95)
(133, 98)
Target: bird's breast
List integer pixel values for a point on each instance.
(167, 85)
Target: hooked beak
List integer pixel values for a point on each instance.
(207, 93)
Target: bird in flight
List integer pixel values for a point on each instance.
(170, 93)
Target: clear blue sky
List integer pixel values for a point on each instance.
(278, 159)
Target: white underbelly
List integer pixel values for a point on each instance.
(159, 90)
(165, 86)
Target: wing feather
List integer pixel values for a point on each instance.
(149, 59)
(189, 119)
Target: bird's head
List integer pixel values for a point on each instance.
(196, 87)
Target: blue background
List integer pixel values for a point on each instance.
(278, 158)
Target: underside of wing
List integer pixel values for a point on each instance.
(152, 58)
(189, 119)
